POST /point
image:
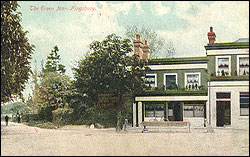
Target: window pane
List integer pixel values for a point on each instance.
(188, 114)
(150, 80)
(244, 100)
(149, 110)
(223, 66)
(244, 94)
(149, 113)
(159, 110)
(244, 65)
(192, 81)
(244, 103)
(170, 81)
(152, 110)
(188, 111)
(170, 112)
(159, 113)
(223, 95)
(199, 111)
(244, 111)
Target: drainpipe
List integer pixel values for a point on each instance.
(209, 103)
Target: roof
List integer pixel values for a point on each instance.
(178, 60)
(239, 44)
(242, 40)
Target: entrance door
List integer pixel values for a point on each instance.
(223, 113)
(177, 111)
(175, 108)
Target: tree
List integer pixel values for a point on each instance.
(108, 69)
(15, 52)
(159, 46)
(52, 63)
(50, 94)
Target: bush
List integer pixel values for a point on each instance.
(30, 117)
(62, 116)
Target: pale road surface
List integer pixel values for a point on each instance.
(19, 139)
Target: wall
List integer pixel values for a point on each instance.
(212, 64)
(196, 122)
(180, 76)
(237, 121)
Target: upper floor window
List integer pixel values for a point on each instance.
(192, 80)
(151, 80)
(243, 65)
(244, 103)
(170, 80)
(223, 65)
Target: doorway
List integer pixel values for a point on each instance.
(175, 108)
(223, 113)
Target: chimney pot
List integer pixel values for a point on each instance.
(211, 29)
(145, 42)
(211, 36)
(137, 37)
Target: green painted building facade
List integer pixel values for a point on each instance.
(208, 90)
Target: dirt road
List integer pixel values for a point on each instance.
(18, 139)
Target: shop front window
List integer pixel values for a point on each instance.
(193, 110)
(154, 110)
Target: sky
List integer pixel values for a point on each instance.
(185, 23)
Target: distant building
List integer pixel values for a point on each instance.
(203, 90)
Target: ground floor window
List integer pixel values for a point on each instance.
(154, 110)
(244, 103)
(192, 109)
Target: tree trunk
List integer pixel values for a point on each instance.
(118, 126)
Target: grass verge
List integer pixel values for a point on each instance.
(41, 124)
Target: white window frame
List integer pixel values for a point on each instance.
(229, 64)
(155, 75)
(199, 83)
(238, 62)
(164, 78)
(239, 103)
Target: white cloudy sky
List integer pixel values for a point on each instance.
(186, 23)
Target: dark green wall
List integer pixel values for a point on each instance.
(180, 76)
(212, 62)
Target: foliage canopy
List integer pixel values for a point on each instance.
(15, 52)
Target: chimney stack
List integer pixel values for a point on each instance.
(146, 51)
(138, 45)
(211, 36)
(141, 50)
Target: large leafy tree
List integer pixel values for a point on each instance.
(159, 46)
(52, 94)
(108, 69)
(15, 52)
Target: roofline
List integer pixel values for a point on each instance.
(179, 60)
(228, 45)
